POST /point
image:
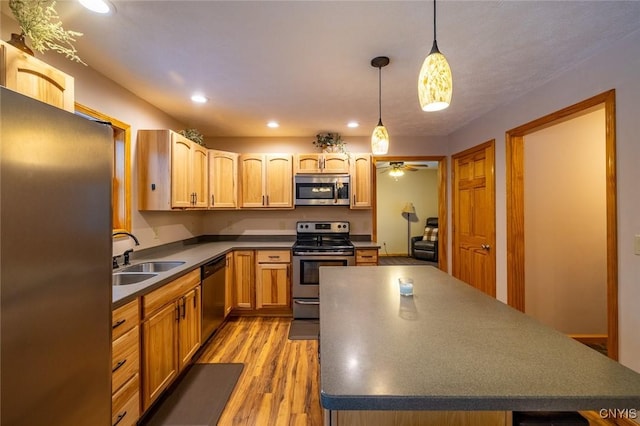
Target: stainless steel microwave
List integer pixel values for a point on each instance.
(321, 190)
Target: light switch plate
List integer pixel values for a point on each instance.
(637, 245)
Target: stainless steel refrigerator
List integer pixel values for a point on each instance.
(55, 265)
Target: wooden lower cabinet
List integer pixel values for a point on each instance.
(366, 257)
(273, 282)
(243, 279)
(125, 407)
(228, 285)
(401, 418)
(125, 364)
(189, 329)
(160, 360)
(262, 282)
(170, 333)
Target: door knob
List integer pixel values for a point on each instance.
(485, 246)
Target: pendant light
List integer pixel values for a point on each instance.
(380, 136)
(435, 84)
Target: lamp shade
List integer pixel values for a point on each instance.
(435, 83)
(409, 208)
(380, 140)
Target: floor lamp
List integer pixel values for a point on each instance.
(409, 209)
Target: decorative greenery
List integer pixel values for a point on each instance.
(194, 135)
(330, 141)
(40, 22)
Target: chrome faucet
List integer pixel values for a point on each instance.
(127, 252)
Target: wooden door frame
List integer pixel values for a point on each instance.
(491, 175)
(442, 199)
(515, 206)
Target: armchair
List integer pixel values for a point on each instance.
(425, 246)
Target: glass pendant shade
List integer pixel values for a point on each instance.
(435, 84)
(379, 140)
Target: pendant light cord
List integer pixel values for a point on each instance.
(380, 94)
(434, 20)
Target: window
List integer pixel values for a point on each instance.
(121, 167)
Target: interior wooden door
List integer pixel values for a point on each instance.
(474, 217)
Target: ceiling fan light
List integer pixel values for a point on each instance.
(435, 83)
(396, 173)
(379, 140)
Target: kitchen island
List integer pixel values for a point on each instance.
(448, 352)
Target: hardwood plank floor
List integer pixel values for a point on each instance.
(280, 381)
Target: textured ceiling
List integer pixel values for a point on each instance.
(307, 65)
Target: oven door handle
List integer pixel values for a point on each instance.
(303, 302)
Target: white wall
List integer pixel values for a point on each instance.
(418, 187)
(565, 225)
(616, 68)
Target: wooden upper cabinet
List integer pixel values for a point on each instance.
(361, 187)
(266, 180)
(172, 171)
(321, 163)
(279, 180)
(32, 77)
(223, 178)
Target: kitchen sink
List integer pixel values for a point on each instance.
(126, 278)
(152, 266)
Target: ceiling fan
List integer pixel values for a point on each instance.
(397, 168)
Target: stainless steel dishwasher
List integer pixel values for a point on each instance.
(213, 295)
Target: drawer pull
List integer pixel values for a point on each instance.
(118, 323)
(118, 365)
(120, 417)
(302, 302)
(274, 257)
(366, 256)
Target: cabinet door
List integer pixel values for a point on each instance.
(336, 163)
(243, 279)
(189, 330)
(279, 180)
(228, 284)
(308, 163)
(32, 77)
(223, 175)
(160, 359)
(361, 182)
(272, 285)
(199, 176)
(252, 180)
(180, 171)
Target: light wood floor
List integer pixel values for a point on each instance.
(280, 381)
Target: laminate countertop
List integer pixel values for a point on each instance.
(451, 347)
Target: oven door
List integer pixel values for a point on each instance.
(306, 272)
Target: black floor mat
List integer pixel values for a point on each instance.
(199, 398)
(304, 330)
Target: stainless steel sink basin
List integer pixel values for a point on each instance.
(126, 278)
(152, 266)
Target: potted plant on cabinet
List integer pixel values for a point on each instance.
(40, 22)
(330, 142)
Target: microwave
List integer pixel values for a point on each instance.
(321, 190)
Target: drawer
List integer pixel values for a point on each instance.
(367, 256)
(125, 358)
(176, 288)
(125, 403)
(273, 256)
(124, 319)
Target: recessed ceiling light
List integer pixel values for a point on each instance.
(98, 6)
(200, 99)
(273, 124)
(353, 124)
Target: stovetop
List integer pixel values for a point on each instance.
(318, 237)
